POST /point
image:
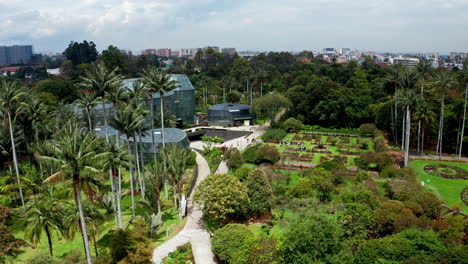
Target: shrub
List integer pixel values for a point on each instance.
(250, 154)
(233, 158)
(361, 176)
(304, 188)
(222, 196)
(182, 255)
(268, 153)
(242, 173)
(293, 124)
(230, 243)
(275, 134)
(312, 238)
(41, 259)
(263, 250)
(121, 244)
(330, 166)
(367, 129)
(260, 192)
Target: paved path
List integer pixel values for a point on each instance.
(194, 230)
(436, 157)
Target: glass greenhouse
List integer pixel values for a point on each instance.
(172, 136)
(180, 102)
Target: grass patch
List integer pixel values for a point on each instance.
(447, 189)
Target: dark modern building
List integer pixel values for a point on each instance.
(15, 54)
(229, 114)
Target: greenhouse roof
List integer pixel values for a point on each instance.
(172, 135)
(183, 81)
(228, 107)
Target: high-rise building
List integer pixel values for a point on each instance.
(229, 51)
(164, 52)
(15, 54)
(329, 51)
(175, 53)
(460, 55)
(3, 55)
(345, 51)
(148, 52)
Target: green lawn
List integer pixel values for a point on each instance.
(447, 189)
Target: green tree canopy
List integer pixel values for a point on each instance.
(222, 196)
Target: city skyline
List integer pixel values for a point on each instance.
(394, 26)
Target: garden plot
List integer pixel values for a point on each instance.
(310, 149)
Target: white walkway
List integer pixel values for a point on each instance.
(194, 230)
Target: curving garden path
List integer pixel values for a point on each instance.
(194, 230)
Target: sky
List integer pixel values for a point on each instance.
(261, 25)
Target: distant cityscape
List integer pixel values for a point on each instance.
(23, 54)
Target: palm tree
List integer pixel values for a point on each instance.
(76, 155)
(44, 216)
(464, 77)
(101, 81)
(443, 80)
(176, 158)
(88, 101)
(35, 112)
(119, 157)
(10, 95)
(157, 80)
(393, 77)
(424, 69)
(126, 121)
(156, 179)
(406, 97)
(424, 114)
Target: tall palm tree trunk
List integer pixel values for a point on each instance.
(463, 123)
(105, 119)
(88, 112)
(118, 193)
(153, 142)
(119, 197)
(419, 122)
(137, 158)
(15, 160)
(131, 179)
(403, 126)
(419, 136)
(142, 160)
(161, 98)
(113, 196)
(422, 140)
(441, 127)
(78, 199)
(407, 134)
(395, 108)
(49, 241)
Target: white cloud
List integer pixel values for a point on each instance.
(439, 25)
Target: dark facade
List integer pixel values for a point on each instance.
(229, 114)
(15, 54)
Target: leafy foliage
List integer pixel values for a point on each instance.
(260, 192)
(230, 243)
(274, 134)
(222, 196)
(311, 238)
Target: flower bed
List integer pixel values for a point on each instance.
(446, 171)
